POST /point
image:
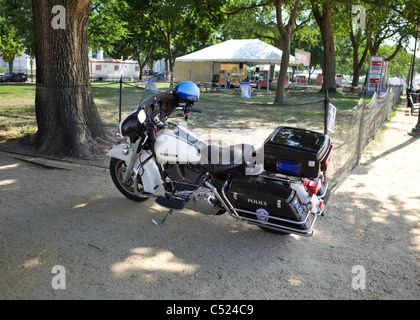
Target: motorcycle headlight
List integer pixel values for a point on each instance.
(142, 116)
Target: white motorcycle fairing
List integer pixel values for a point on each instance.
(177, 145)
(150, 174)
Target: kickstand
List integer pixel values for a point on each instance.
(163, 221)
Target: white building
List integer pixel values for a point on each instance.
(99, 68)
(112, 69)
(20, 64)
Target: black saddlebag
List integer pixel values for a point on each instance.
(296, 152)
(269, 203)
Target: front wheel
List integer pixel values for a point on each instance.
(117, 169)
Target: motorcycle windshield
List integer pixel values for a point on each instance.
(152, 87)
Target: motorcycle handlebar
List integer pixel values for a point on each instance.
(187, 109)
(193, 110)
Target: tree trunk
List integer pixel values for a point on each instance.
(285, 59)
(141, 66)
(324, 22)
(11, 65)
(66, 114)
(356, 40)
(286, 34)
(357, 65)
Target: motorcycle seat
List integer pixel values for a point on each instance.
(219, 159)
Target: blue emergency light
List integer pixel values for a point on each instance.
(288, 167)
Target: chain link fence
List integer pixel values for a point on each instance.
(354, 129)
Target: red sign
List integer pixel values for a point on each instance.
(301, 80)
(319, 80)
(303, 57)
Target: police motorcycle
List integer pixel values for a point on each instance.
(279, 187)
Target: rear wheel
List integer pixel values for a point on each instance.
(118, 169)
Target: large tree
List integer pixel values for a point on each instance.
(280, 20)
(367, 38)
(285, 29)
(67, 117)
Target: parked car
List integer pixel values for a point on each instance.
(159, 75)
(14, 77)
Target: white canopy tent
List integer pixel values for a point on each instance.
(204, 63)
(247, 51)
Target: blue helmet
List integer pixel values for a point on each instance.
(187, 90)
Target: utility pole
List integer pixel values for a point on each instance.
(415, 132)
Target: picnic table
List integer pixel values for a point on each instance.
(207, 86)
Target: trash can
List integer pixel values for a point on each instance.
(245, 90)
(150, 84)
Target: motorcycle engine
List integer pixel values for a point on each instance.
(187, 178)
(205, 201)
(189, 173)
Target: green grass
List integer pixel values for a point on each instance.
(17, 110)
(219, 109)
(346, 102)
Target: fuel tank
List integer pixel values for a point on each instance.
(177, 145)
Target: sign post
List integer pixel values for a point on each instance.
(222, 78)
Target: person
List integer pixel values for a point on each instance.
(228, 81)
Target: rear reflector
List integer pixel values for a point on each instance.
(321, 205)
(327, 160)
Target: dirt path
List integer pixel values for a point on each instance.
(366, 247)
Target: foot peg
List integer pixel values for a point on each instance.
(171, 204)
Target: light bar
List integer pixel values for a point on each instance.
(288, 167)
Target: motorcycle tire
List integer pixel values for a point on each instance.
(278, 232)
(117, 169)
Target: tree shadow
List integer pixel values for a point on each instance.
(110, 249)
(392, 150)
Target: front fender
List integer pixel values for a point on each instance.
(150, 176)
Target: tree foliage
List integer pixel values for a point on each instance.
(148, 30)
(105, 24)
(185, 25)
(11, 43)
(14, 29)
(309, 39)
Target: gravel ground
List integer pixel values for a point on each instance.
(365, 247)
